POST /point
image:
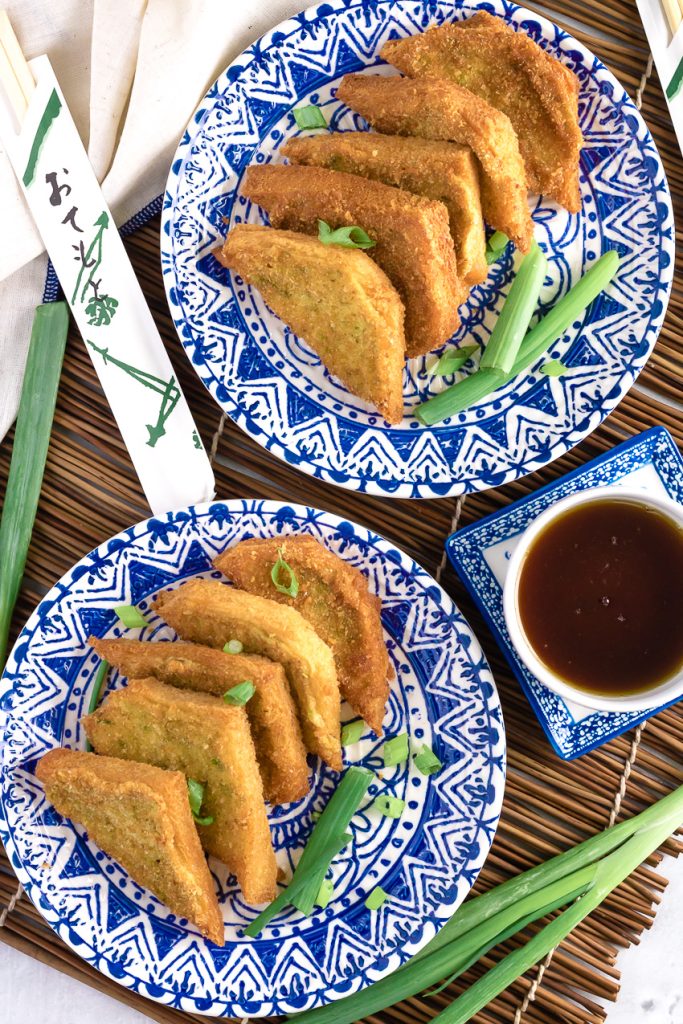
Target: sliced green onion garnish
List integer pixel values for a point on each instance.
(239, 695)
(234, 647)
(496, 246)
(390, 806)
(291, 586)
(520, 305)
(130, 616)
(328, 837)
(555, 368)
(352, 732)
(396, 750)
(551, 327)
(309, 117)
(349, 237)
(325, 893)
(376, 898)
(195, 794)
(31, 440)
(427, 762)
(452, 361)
(100, 676)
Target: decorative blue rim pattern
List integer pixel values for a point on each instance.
(479, 554)
(273, 386)
(443, 695)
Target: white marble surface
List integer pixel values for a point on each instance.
(652, 991)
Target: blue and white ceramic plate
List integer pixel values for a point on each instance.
(443, 695)
(273, 385)
(480, 554)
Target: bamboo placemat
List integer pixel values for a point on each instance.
(90, 492)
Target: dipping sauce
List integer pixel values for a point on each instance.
(601, 597)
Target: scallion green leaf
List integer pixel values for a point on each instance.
(195, 794)
(496, 246)
(130, 616)
(551, 327)
(100, 677)
(291, 586)
(555, 368)
(427, 762)
(520, 305)
(376, 898)
(234, 647)
(348, 237)
(31, 441)
(309, 117)
(452, 361)
(390, 806)
(396, 750)
(325, 893)
(352, 732)
(241, 694)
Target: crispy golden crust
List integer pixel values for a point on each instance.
(140, 816)
(414, 245)
(512, 73)
(336, 299)
(436, 170)
(436, 109)
(211, 613)
(271, 711)
(209, 741)
(334, 597)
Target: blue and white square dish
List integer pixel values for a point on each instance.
(480, 554)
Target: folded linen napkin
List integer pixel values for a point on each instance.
(132, 74)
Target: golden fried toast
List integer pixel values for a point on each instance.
(212, 613)
(336, 299)
(413, 241)
(514, 74)
(334, 597)
(140, 816)
(436, 170)
(209, 741)
(439, 109)
(271, 711)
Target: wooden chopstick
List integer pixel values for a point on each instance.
(15, 74)
(674, 14)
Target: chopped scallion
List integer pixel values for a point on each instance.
(349, 237)
(130, 616)
(291, 587)
(352, 732)
(390, 806)
(234, 647)
(515, 316)
(309, 117)
(325, 893)
(239, 695)
(195, 794)
(396, 750)
(427, 762)
(555, 368)
(100, 677)
(496, 246)
(452, 361)
(376, 898)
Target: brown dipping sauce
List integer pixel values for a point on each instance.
(601, 597)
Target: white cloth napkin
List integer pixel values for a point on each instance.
(132, 72)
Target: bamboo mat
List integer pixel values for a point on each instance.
(90, 492)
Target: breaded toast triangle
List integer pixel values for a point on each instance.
(334, 597)
(336, 299)
(413, 241)
(212, 613)
(209, 741)
(140, 816)
(438, 109)
(271, 711)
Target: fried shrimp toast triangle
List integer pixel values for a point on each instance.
(336, 299)
(209, 741)
(436, 170)
(334, 597)
(271, 711)
(514, 74)
(438, 109)
(140, 816)
(212, 613)
(413, 241)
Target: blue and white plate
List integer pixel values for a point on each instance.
(480, 554)
(443, 695)
(273, 385)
